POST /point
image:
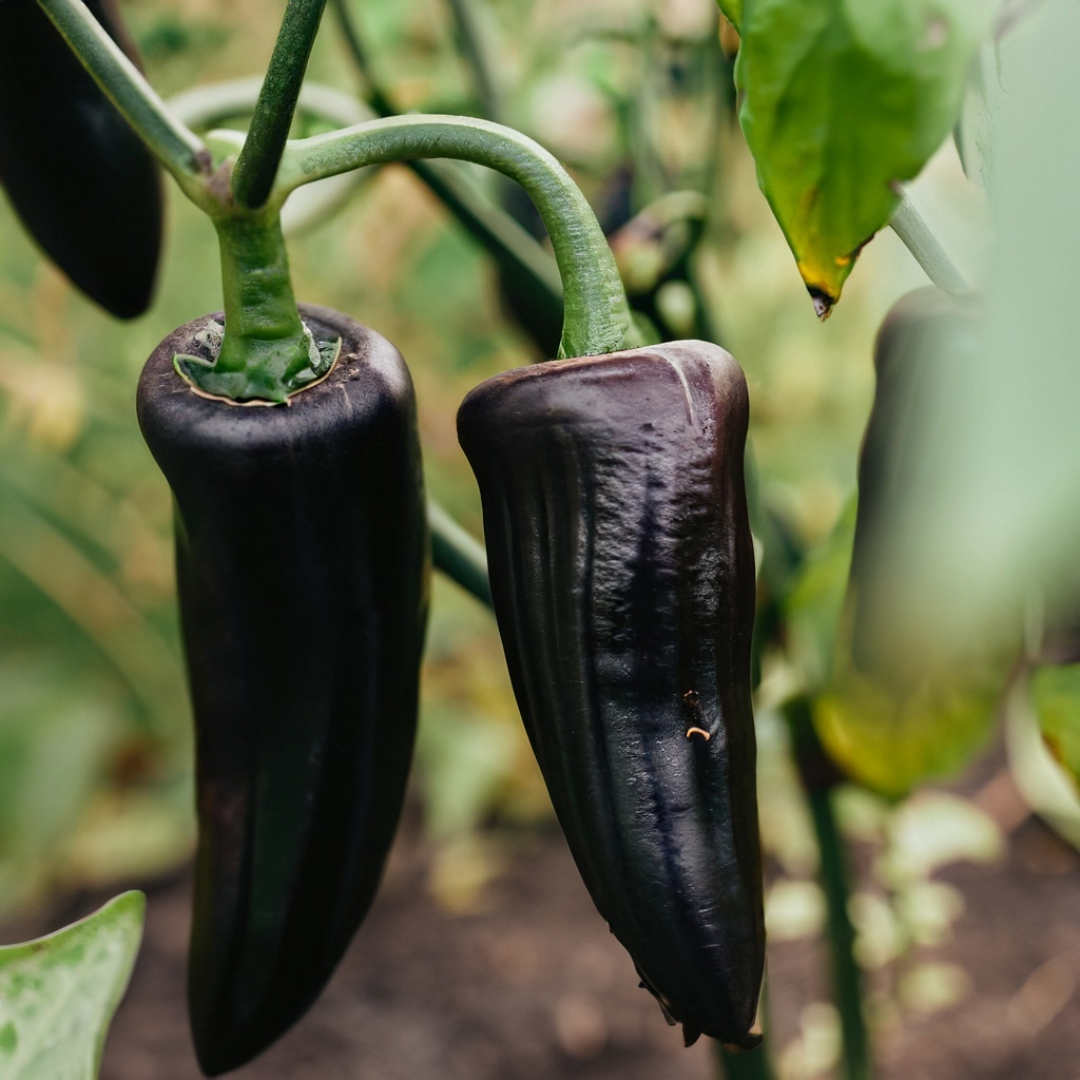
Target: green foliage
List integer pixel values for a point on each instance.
(733, 10)
(58, 993)
(1056, 694)
(56, 735)
(842, 101)
(815, 602)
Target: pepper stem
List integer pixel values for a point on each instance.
(596, 317)
(266, 349)
(258, 162)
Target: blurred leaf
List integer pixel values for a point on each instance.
(1056, 693)
(814, 605)
(934, 829)
(881, 938)
(1041, 780)
(930, 987)
(144, 832)
(929, 909)
(56, 735)
(842, 101)
(794, 909)
(58, 993)
(1003, 471)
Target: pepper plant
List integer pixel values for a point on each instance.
(625, 612)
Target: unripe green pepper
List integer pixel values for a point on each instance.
(84, 185)
(622, 573)
(899, 707)
(915, 351)
(302, 555)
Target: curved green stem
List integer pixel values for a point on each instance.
(178, 149)
(457, 554)
(257, 165)
(508, 243)
(209, 106)
(597, 317)
(519, 256)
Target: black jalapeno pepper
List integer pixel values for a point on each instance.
(302, 556)
(622, 573)
(84, 185)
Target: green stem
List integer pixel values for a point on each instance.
(377, 96)
(597, 317)
(743, 1064)
(457, 554)
(265, 346)
(508, 243)
(819, 777)
(519, 256)
(472, 45)
(257, 165)
(909, 224)
(178, 149)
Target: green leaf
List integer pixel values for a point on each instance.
(842, 101)
(58, 993)
(733, 11)
(1056, 693)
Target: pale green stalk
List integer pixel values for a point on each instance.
(909, 224)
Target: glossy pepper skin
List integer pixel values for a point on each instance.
(622, 572)
(302, 563)
(83, 184)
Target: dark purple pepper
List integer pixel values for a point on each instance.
(622, 572)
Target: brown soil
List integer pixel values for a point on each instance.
(531, 985)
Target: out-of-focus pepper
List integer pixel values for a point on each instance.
(622, 572)
(901, 708)
(302, 553)
(85, 187)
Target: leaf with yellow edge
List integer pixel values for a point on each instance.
(842, 100)
(731, 10)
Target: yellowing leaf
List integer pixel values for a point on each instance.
(843, 99)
